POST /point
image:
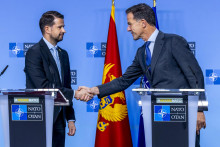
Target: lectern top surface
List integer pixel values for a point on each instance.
(168, 90)
(56, 94)
(27, 91)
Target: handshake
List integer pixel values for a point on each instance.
(85, 93)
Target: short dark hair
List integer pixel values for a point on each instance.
(48, 19)
(143, 11)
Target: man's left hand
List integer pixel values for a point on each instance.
(200, 122)
(72, 128)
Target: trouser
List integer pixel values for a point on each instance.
(197, 140)
(59, 132)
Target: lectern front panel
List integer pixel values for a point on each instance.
(27, 125)
(169, 121)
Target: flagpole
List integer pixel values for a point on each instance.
(154, 3)
(113, 2)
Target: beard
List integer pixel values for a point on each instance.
(57, 38)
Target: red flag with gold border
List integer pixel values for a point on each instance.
(113, 128)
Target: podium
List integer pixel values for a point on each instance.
(170, 115)
(27, 116)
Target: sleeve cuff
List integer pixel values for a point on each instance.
(71, 120)
(73, 93)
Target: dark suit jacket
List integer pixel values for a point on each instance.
(173, 66)
(42, 72)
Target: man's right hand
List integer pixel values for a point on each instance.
(201, 123)
(83, 94)
(90, 92)
(93, 90)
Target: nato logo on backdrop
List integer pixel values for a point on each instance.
(93, 105)
(95, 49)
(19, 49)
(16, 50)
(212, 77)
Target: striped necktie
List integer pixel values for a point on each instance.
(148, 60)
(146, 83)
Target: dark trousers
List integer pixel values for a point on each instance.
(59, 132)
(197, 140)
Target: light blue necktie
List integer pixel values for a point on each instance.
(57, 60)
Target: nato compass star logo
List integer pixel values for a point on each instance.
(93, 49)
(19, 112)
(94, 104)
(16, 50)
(162, 113)
(213, 77)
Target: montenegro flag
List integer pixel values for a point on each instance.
(113, 128)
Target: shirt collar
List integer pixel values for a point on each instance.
(153, 36)
(49, 45)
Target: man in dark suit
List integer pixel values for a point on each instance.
(172, 66)
(47, 66)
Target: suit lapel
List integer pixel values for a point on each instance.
(49, 57)
(157, 49)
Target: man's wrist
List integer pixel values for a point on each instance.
(95, 90)
(75, 93)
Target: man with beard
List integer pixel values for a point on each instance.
(47, 66)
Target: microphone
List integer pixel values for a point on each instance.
(3, 71)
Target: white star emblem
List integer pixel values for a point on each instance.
(16, 50)
(213, 77)
(19, 112)
(162, 113)
(94, 104)
(93, 50)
